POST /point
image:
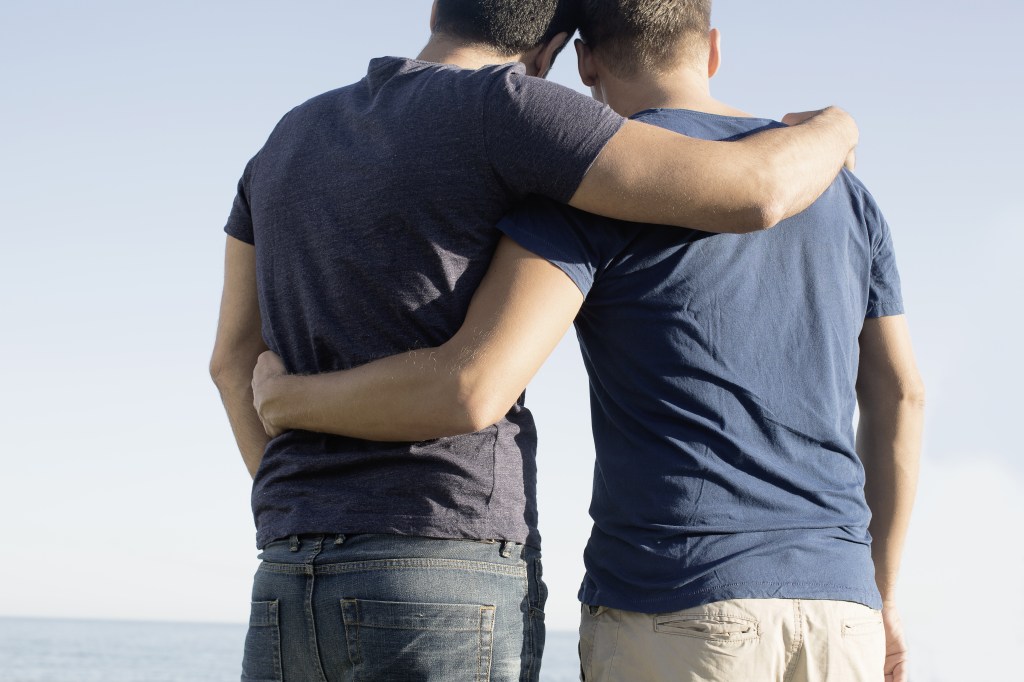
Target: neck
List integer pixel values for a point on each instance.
(441, 49)
(685, 87)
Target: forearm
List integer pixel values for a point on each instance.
(235, 385)
(521, 310)
(410, 397)
(889, 444)
(804, 159)
(651, 175)
(238, 346)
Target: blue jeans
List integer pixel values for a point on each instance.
(393, 608)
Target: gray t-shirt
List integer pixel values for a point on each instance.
(372, 210)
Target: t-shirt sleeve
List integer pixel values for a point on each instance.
(555, 233)
(885, 295)
(542, 138)
(239, 223)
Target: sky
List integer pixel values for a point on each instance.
(126, 126)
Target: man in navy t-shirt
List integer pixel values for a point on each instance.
(732, 502)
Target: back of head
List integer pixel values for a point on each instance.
(509, 27)
(633, 36)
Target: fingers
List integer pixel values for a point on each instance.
(269, 358)
(896, 669)
(796, 118)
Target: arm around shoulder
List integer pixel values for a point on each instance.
(651, 175)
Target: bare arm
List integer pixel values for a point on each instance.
(238, 345)
(521, 310)
(891, 397)
(651, 175)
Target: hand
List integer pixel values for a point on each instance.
(269, 368)
(895, 646)
(794, 119)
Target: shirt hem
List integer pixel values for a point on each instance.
(268, 533)
(678, 601)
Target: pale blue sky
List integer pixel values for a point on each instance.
(126, 126)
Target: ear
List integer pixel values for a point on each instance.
(433, 17)
(585, 63)
(715, 53)
(545, 58)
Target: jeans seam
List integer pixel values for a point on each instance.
(355, 656)
(531, 652)
(308, 606)
(389, 564)
(484, 672)
(278, 655)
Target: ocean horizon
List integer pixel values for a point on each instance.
(76, 650)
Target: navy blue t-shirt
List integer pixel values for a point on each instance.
(722, 373)
(372, 209)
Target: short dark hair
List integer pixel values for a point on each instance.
(509, 26)
(644, 35)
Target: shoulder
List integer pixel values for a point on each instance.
(508, 85)
(869, 209)
(318, 103)
(848, 187)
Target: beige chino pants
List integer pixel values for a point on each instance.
(740, 640)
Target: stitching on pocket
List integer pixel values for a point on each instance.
(863, 627)
(675, 624)
(485, 650)
(385, 638)
(262, 640)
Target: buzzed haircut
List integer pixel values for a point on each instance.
(632, 36)
(511, 27)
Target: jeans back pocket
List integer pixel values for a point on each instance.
(262, 659)
(401, 641)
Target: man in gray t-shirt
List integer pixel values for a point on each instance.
(360, 230)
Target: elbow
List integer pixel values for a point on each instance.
(480, 406)
(225, 372)
(908, 390)
(895, 394)
(218, 370)
(233, 360)
(482, 414)
(768, 213)
(913, 393)
(768, 206)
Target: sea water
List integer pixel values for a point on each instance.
(41, 650)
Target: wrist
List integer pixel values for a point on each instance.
(276, 404)
(888, 596)
(840, 124)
